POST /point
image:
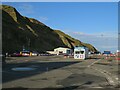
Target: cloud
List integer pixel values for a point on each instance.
(26, 9)
(109, 47)
(30, 10)
(42, 18)
(102, 41)
(100, 34)
(79, 33)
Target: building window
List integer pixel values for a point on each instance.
(77, 52)
(60, 51)
(81, 52)
(68, 51)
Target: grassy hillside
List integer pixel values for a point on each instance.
(71, 42)
(19, 31)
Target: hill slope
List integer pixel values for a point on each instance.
(19, 31)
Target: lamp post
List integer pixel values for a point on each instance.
(119, 41)
(102, 36)
(102, 40)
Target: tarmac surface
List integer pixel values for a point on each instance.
(60, 73)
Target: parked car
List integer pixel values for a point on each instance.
(25, 53)
(15, 54)
(34, 53)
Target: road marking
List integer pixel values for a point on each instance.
(107, 74)
(117, 78)
(93, 63)
(97, 87)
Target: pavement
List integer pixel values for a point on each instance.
(61, 73)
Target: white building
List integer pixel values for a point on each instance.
(62, 50)
(51, 52)
(80, 53)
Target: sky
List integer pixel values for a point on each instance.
(90, 22)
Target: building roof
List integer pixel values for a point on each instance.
(62, 48)
(80, 47)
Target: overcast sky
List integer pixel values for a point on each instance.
(91, 22)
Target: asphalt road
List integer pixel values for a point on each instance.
(59, 73)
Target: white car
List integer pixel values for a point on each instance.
(25, 53)
(35, 53)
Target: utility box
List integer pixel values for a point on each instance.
(80, 52)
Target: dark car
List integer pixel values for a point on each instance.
(15, 55)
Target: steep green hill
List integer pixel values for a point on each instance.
(19, 31)
(71, 42)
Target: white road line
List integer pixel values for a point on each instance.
(97, 87)
(115, 77)
(111, 80)
(109, 77)
(93, 63)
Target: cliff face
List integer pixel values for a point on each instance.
(19, 31)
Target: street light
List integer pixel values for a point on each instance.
(119, 41)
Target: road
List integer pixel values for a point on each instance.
(57, 72)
